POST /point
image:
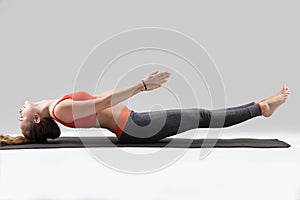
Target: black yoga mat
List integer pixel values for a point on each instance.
(82, 142)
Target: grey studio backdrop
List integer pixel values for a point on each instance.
(254, 44)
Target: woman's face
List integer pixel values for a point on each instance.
(26, 117)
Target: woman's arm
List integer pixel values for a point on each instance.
(152, 81)
(103, 94)
(68, 110)
(121, 94)
(110, 92)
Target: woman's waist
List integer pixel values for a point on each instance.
(121, 120)
(114, 117)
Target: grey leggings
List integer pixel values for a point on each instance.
(143, 127)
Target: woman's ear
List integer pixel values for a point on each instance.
(37, 118)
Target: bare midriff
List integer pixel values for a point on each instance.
(114, 118)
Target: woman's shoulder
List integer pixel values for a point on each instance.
(80, 95)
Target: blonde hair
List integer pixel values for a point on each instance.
(39, 133)
(7, 140)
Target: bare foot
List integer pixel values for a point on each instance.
(283, 90)
(271, 104)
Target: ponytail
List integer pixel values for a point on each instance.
(39, 133)
(7, 140)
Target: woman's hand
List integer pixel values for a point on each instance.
(156, 79)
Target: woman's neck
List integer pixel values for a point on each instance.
(43, 108)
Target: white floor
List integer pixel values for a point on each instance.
(235, 174)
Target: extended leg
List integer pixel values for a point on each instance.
(237, 107)
(155, 125)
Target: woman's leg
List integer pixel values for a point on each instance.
(155, 125)
(237, 107)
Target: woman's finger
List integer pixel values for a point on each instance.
(154, 72)
(163, 74)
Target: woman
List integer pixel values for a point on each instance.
(81, 110)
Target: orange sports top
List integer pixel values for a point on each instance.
(85, 122)
(90, 121)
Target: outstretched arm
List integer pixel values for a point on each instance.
(152, 81)
(118, 95)
(66, 110)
